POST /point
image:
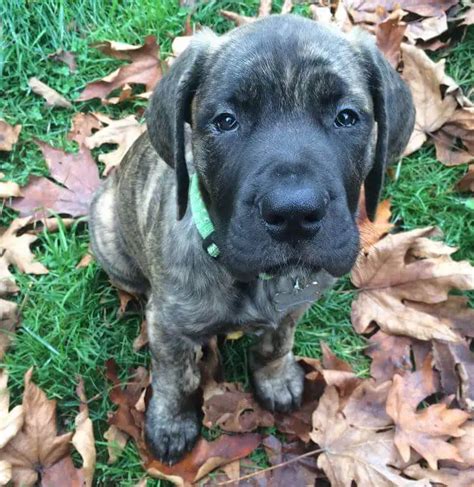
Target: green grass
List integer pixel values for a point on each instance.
(70, 324)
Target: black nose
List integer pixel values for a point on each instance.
(290, 214)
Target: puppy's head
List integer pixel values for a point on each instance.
(289, 118)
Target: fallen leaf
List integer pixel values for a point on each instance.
(10, 421)
(427, 29)
(63, 473)
(349, 453)
(124, 298)
(144, 68)
(65, 57)
(204, 458)
(234, 410)
(76, 178)
(142, 339)
(8, 322)
(85, 261)
(36, 446)
(8, 189)
(427, 430)
(83, 438)
(389, 35)
(454, 142)
(122, 132)
(372, 232)
(466, 183)
(83, 125)
(116, 442)
(52, 97)
(446, 476)
(424, 78)
(237, 18)
(321, 14)
(392, 283)
(8, 135)
(390, 355)
(5, 472)
(464, 445)
(455, 362)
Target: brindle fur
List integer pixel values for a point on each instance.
(190, 296)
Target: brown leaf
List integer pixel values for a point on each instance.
(464, 445)
(287, 7)
(372, 232)
(36, 446)
(426, 29)
(8, 135)
(144, 68)
(8, 189)
(5, 472)
(10, 421)
(126, 417)
(393, 281)
(124, 298)
(52, 97)
(83, 438)
(350, 453)
(65, 57)
(85, 261)
(237, 18)
(265, 8)
(390, 355)
(76, 178)
(8, 322)
(446, 476)
(122, 132)
(389, 35)
(466, 183)
(425, 431)
(424, 78)
(83, 125)
(455, 362)
(63, 473)
(205, 457)
(116, 442)
(142, 339)
(454, 142)
(234, 410)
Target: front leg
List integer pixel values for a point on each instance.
(277, 378)
(173, 419)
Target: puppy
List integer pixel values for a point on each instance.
(237, 207)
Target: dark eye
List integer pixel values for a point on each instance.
(225, 122)
(346, 118)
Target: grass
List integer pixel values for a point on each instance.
(69, 316)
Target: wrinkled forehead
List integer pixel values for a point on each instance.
(290, 68)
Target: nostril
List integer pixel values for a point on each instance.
(274, 219)
(311, 218)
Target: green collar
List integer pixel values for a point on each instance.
(203, 222)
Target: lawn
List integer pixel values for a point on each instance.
(70, 324)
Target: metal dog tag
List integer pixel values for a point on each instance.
(298, 296)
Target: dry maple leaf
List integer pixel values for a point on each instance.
(466, 183)
(464, 445)
(204, 458)
(427, 430)
(83, 125)
(65, 57)
(142, 338)
(446, 476)
(116, 442)
(264, 9)
(399, 273)
(454, 142)
(8, 189)
(144, 68)
(8, 322)
(371, 232)
(433, 110)
(349, 453)
(455, 362)
(52, 97)
(427, 29)
(389, 35)
(10, 421)
(122, 132)
(76, 179)
(8, 135)
(36, 446)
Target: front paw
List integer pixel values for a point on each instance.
(279, 384)
(169, 435)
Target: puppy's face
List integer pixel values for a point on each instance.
(283, 137)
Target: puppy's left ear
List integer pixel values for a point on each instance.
(394, 113)
(170, 108)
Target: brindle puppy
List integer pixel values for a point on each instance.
(288, 120)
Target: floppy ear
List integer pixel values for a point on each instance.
(170, 108)
(394, 113)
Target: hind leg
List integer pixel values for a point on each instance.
(108, 245)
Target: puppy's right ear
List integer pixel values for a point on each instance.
(170, 108)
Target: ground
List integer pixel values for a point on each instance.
(69, 317)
